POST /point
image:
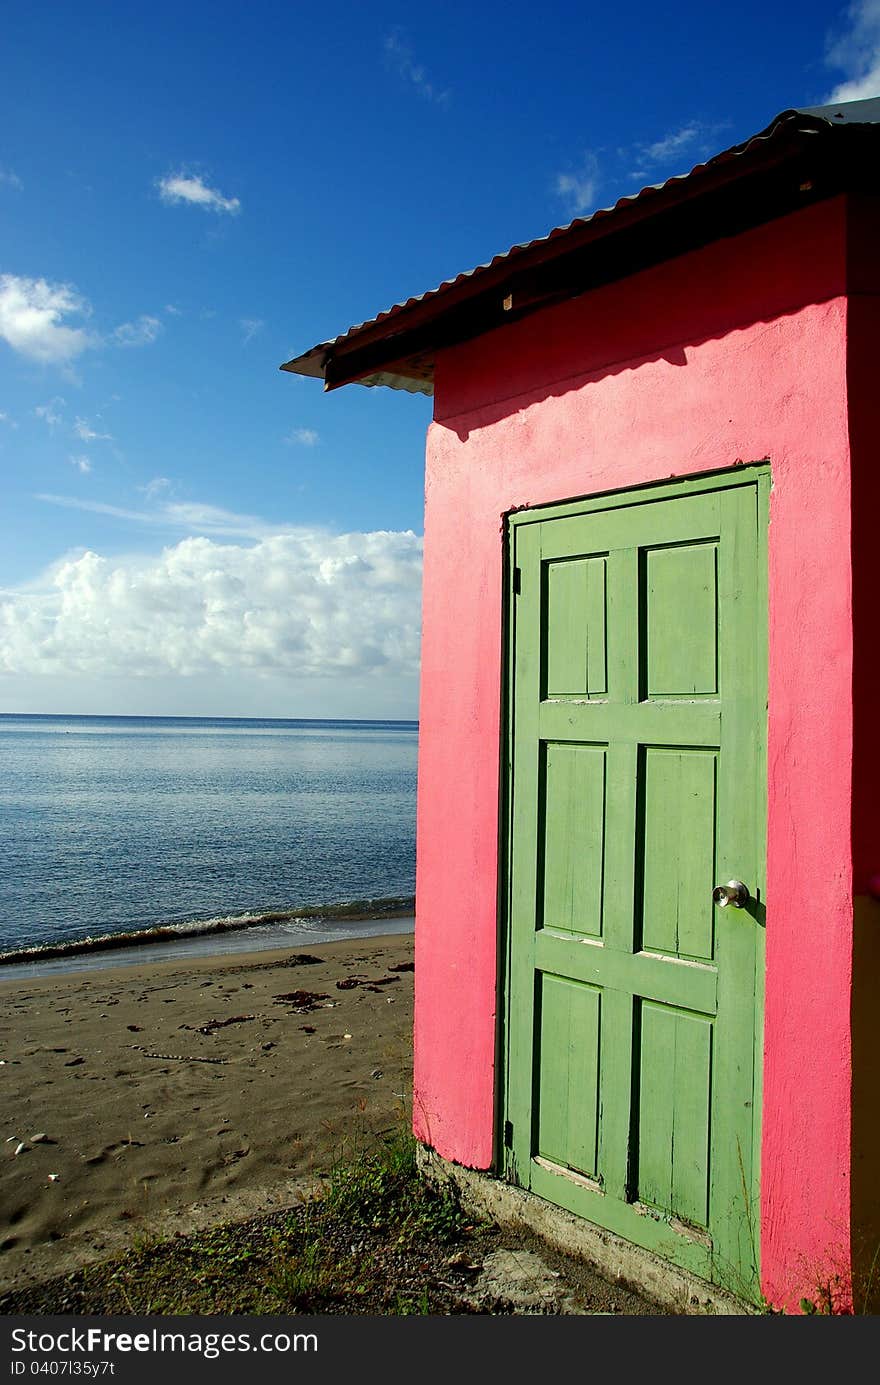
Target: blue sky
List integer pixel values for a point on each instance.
(190, 195)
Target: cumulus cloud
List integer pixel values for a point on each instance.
(400, 56)
(303, 437)
(855, 51)
(141, 333)
(189, 189)
(305, 604)
(33, 319)
(579, 188)
(81, 463)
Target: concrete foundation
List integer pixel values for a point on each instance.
(615, 1259)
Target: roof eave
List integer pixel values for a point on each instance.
(733, 192)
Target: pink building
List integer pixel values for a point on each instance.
(646, 948)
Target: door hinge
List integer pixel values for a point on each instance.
(517, 581)
(508, 1134)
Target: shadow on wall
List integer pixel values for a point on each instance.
(863, 325)
(866, 1107)
(652, 316)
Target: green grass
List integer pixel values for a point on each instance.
(381, 1192)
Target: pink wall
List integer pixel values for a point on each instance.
(735, 353)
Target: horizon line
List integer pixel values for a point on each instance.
(189, 716)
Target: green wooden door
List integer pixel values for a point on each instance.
(637, 729)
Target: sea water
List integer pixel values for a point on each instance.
(116, 825)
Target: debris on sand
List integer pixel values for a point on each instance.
(301, 1001)
(218, 1024)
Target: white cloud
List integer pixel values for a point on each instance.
(81, 463)
(172, 310)
(211, 519)
(87, 433)
(32, 322)
(580, 187)
(49, 413)
(305, 604)
(856, 52)
(141, 333)
(160, 485)
(189, 516)
(672, 144)
(251, 326)
(11, 179)
(400, 55)
(189, 188)
(5, 419)
(69, 502)
(304, 437)
(32, 313)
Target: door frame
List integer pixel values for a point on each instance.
(756, 474)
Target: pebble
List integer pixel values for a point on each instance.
(41, 1138)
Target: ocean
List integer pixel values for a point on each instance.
(113, 826)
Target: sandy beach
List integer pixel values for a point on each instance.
(167, 1096)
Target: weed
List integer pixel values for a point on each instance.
(311, 1274)
(380, 1191)
(405, 1306)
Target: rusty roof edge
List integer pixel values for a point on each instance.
(392, 322)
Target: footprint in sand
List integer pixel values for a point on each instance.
(115, 1149)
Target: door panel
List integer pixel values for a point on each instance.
(568, 1087)
(637, 719)
(572, 864)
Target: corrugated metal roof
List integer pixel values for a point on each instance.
(418, 377)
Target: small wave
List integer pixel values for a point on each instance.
(354, 909)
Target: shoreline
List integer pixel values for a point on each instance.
(309, 923)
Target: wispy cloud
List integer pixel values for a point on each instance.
(7, 421)
(87, 433)
(302, 437)
(81, 463)
(143, 332)
(578, 187)
(69, 502)
(187, 516)
(190, 189)
(160, 485)
(673, 144)
(251, 326)
(689, 142)
(11, 179)
(33, 319)
(401, 58)
(50, 413)
(855, 51)
(305, 604)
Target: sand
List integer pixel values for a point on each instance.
(174, 1095)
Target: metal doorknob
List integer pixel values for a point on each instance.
(734, 893)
